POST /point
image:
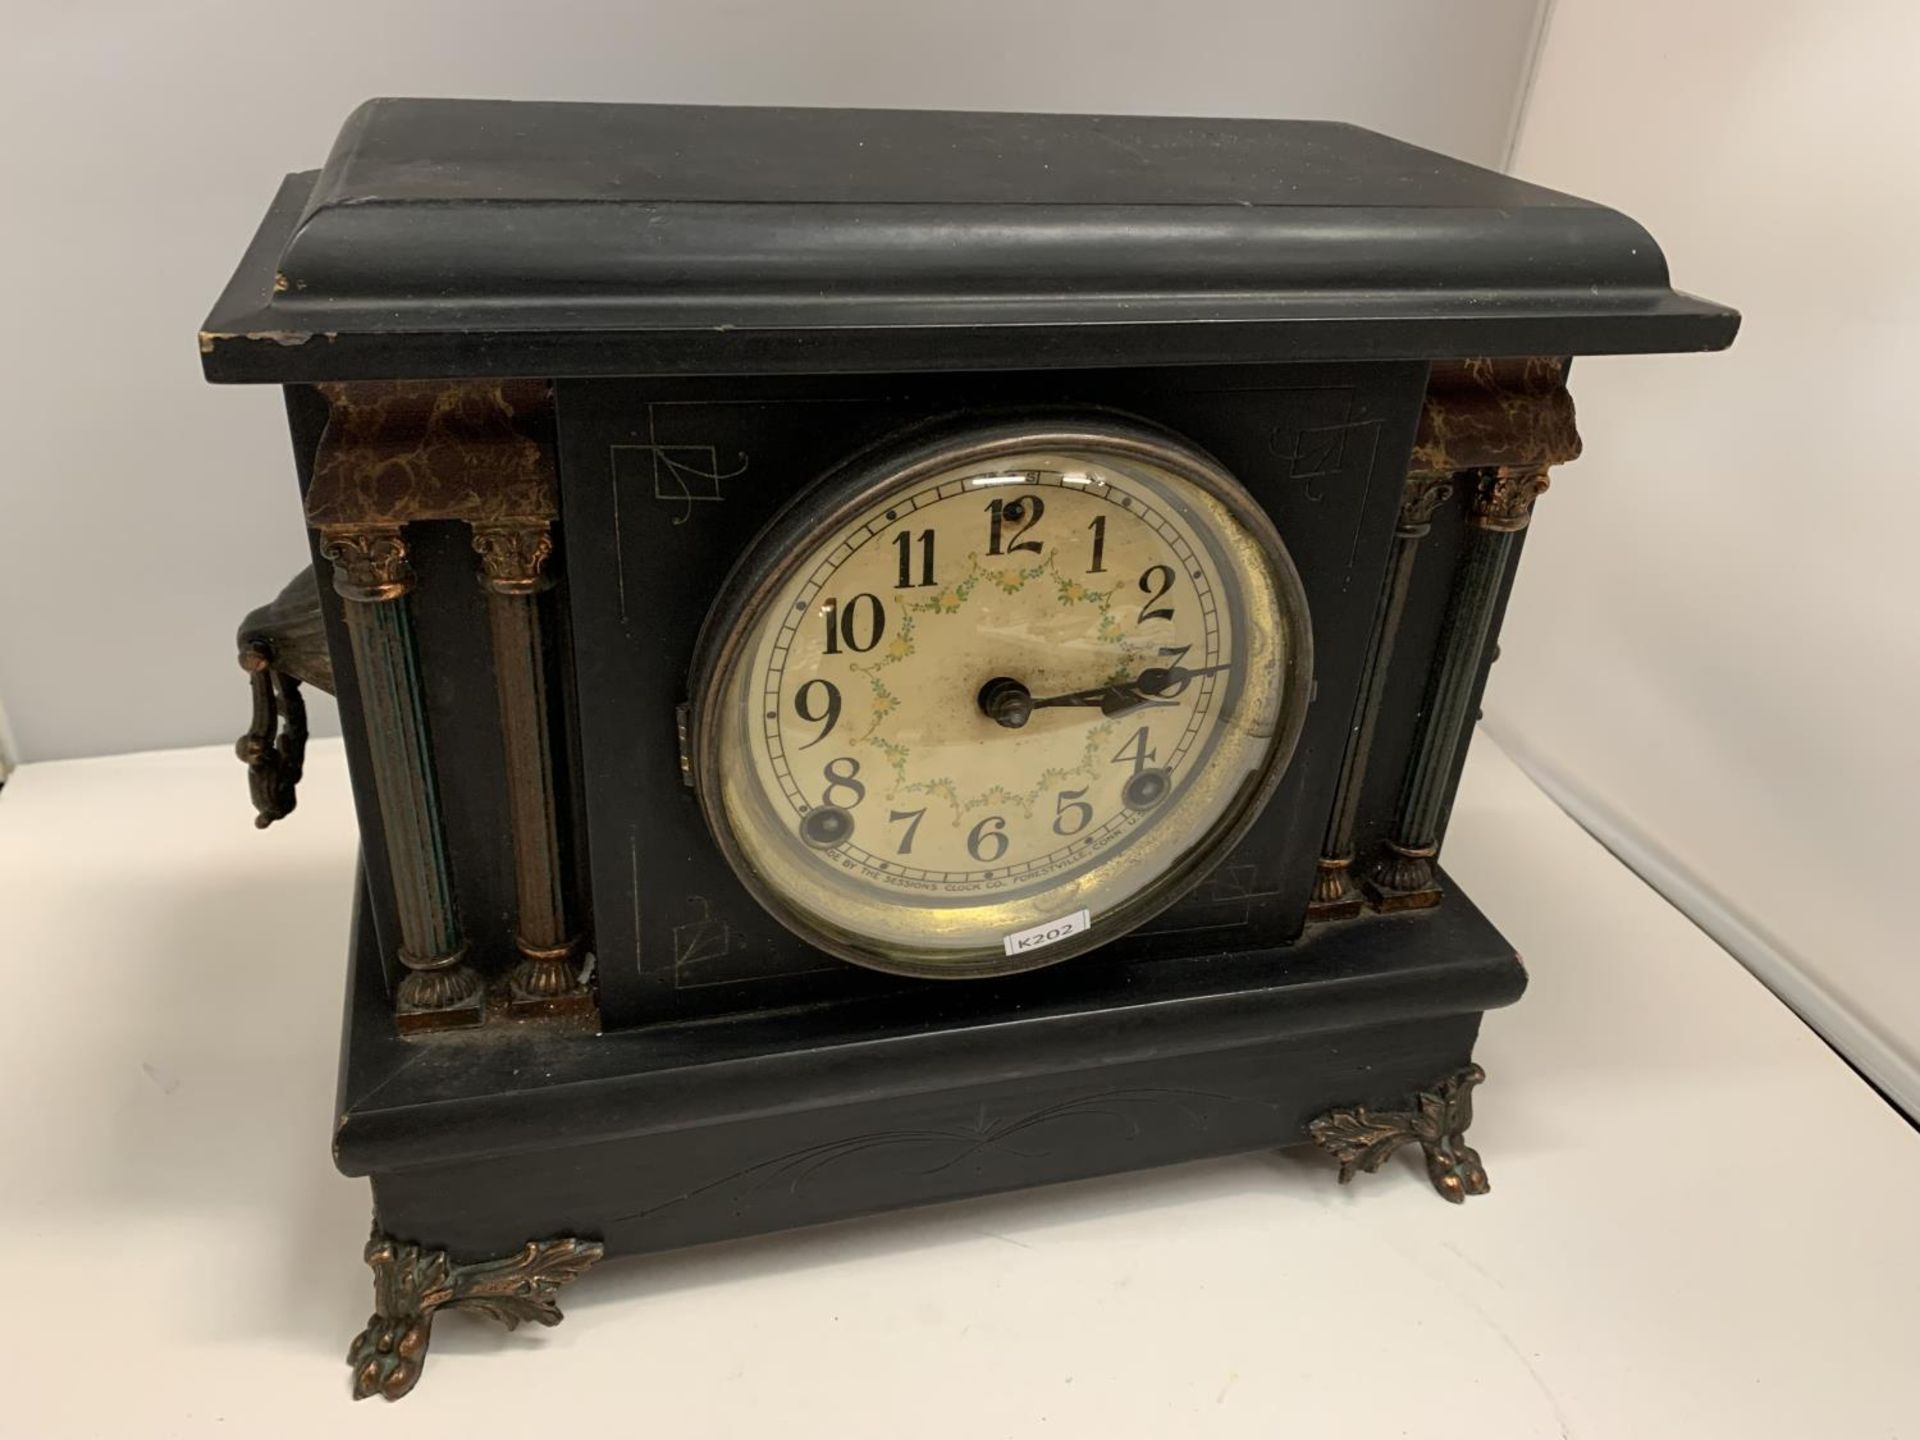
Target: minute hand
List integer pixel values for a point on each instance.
(1144, 689)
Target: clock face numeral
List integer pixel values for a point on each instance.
(987, 841)
(822, 696)
(1136, 751)
(913, 819)
(858, 627)
(903, 542)
(1155, 582)
(844, 790)
(1166, 683)
(1022, 512)
(1098, 525)
(1071, 814)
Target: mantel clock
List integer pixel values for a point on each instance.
(888, 656)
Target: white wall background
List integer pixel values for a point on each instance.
(1713, 656)
(142, 512)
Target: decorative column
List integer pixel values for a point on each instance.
(514, 557)
(372, 577)
(479, 453)
(1495, 426)
(1404, 879)
(1335, 896)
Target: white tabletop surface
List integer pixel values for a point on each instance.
(1702, 1223)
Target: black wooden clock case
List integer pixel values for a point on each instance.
(549, 370)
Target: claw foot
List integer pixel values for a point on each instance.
(1361, 1138)
(411, 1283)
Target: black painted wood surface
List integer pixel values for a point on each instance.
(727, 303)
(676, 1134)
(665, 482)
(460, 238)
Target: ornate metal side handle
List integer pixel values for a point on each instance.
(282, 645)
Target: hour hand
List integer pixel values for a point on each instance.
(1008, 702)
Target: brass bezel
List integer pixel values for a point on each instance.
(776, 554)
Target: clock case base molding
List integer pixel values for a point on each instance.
(673, 1135)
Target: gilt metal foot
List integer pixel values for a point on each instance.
(410, 1284)
(1361, 1138)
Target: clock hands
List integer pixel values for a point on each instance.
(1163, 681)
(1009, 703)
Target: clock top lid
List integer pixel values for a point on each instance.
(462, 237)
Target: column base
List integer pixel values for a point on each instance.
(1334, 894)
(578, 1006)
(450, 998)
(1404, 879)
(426, 1022)
(548, 982)
(444, 993)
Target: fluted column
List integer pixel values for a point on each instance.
(372, 576)
(1335, 896)
(1404, 878)
(514, 559)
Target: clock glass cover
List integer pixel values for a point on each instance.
(980, 702)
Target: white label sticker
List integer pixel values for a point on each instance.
(1051, 931)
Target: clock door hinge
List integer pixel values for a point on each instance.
(682, 722)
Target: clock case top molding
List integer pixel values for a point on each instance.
(550, 368)
(459, 239)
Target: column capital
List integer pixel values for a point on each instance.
(513, 555)
(1503, 501)
(369, 562)
(1420, 501)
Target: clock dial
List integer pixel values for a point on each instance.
(983, 706)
